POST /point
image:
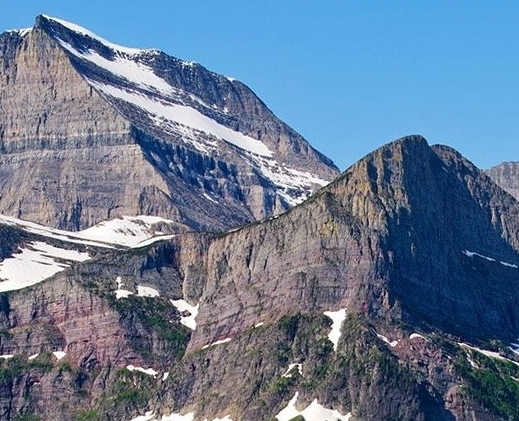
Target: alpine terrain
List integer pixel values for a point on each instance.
(162, 256)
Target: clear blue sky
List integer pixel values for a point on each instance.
(348, 75)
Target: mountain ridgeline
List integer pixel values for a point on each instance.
(388, 294)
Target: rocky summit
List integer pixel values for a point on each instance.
(91, 131)
(389, 294)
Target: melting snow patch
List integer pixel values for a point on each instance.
(417, 336)
(219, 342)
(7, 356)
(33, 356)
(59, 354)
(148, 371)
(184, 307)
(299, 367)
(149, 416)
(35, 263)
(259, 324)
(128, 231)
(143, 291)
(165, 375)
(120, 292)
(337, 319)
(313, 412)
(387, 341)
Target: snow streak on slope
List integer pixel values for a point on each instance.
(34, 263)
(163, 113)
(80, 30)
(180, 113)
(313, 412)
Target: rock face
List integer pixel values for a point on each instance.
(506, 176)
(411, 256)
(91, 131)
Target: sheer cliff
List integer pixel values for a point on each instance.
(389, 294)
(90, 131)
(506, 175)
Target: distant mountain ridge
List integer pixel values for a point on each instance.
(117, 131)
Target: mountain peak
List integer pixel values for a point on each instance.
(208, 149)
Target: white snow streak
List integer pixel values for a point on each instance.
(313, 412)
(387, 341)
(83, 31)
(148, 371)
(417, 336)
(490, 354)
(219, 342)
(490, 259)
(337, 319)
(168, 112)
(184, 307)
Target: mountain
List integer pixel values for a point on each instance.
(506, 175)
(91, 131)
(390, 294)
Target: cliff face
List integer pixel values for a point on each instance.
(390, 294)
(506, 176)
(95, 131)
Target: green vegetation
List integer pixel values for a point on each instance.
(492, 385)
(131, 389)
(154, 314)
(88, 415)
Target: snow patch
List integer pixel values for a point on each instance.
(337, 319)
(299, 367)
(259, 324)
(184, 307)
(313, 412)
(387, 341)
(165, 376)
(143, 291)
(120, 292)
(128, 231)
(148, 371)
(219, 342)
(417, 336)
(59, 354)
(34, 263)
(7, 356)
(33, 356)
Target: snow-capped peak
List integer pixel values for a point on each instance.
(85, 32)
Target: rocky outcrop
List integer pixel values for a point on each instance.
(506, 175)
